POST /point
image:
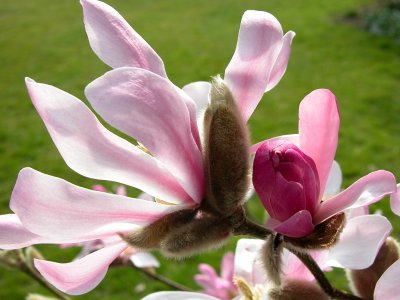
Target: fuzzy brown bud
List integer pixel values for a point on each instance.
(226, 151)
(271, 257)
(298, 290)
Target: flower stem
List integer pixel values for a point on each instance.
(252, 229)
(319, 275)
(21, 264)
(164, 280)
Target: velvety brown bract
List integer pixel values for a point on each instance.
(298, 290)
(324, 236)
(226, 151)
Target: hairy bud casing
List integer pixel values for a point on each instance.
(226, 151)
(298, 290)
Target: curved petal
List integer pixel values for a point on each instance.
(178, 296)
(144, 260)
(51, 207)
(293, 268)
(199, 92)
(359, 243)
(246, 264)
(318, 129)
(388, 287)
(298, 225)
(114, 40)
(334, 181)
(395, 201)
(82, 275)
(291, 138)
(281, 62)
(13, 235)
(259, 43)
(365, 191)
(152, 110)
(93, 151)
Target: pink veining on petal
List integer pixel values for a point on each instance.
(152, 110)
(51, 207)
(367, 190)
(114, 40)
(259, 43)
(318, 130)
(96, 152)
(82, 275)
(281, 62)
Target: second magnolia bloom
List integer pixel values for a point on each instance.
(291, 173)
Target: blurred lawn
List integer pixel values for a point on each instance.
(45, 40)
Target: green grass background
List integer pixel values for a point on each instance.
(45, 40)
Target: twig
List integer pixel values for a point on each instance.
(319, 275)
(164, 280)
(21, 264)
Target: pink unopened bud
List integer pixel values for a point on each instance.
(287, 183)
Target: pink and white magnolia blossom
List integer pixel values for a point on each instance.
(258, 63)
(222, 286)
(290, 172)
(138, 99)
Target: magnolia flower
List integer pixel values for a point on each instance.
(257, 65)
(222, 286)
(290, 172)
(139, 100)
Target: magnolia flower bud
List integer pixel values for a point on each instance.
(363, 282)
(287, 183)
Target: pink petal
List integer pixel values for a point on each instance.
(395, 201)
(144, 260)
(115, 42)
(13, 235)
(178, 296)
(259, 43)
(82, 275)
(54, 208)
(293, 268)
(152, 110)
(360, 242)
(93, 151)
(227, 266)
(246, 264)
(367, 190)
(388, 287)
(198, 91)
(291, 138)
(281, 62)
(298, 225)
(318, 128)
(334, 181)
